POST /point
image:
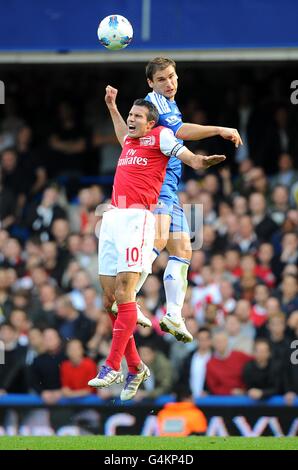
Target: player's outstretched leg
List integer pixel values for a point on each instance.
(175, 282)
(141, 318)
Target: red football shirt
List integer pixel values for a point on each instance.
(141, 168)
(77, 377)
(225, 374)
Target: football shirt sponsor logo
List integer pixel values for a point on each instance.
(146, 141)
(173, 120)
(132, 161)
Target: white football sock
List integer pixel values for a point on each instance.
(175, 282)
(143, 276)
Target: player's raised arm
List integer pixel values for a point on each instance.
(197, 132)
(119, 123)
(171, 147)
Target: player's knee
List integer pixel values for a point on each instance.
(160, 244)
(186, 254)
(123, 293)
(181, 249)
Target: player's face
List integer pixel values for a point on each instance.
(137, 122)
(165, 82)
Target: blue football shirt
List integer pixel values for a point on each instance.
(169, 116)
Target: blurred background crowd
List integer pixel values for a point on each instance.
(58, 154)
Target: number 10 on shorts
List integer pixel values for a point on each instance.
(132, 255)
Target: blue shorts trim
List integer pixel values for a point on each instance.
(156, 251)
(181, 260)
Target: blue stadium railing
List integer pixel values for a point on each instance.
(28, 400)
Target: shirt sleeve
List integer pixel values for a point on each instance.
(171, 121)
(169, 145)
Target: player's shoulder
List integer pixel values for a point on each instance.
(163, 130)
(160, 102)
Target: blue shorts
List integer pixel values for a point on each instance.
(172, 207)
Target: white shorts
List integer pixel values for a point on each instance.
(126, 241)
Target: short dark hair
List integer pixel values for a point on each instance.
(10, 149)
(7, 324)
(204, 329)
(153, 114)
(262, 341)
(290, 276)
(183, 392)
(158, 63)
(74, 340)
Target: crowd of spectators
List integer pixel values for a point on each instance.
(242, 301)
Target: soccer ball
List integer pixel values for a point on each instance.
(115, 32)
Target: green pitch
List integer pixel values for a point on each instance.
(151, 443)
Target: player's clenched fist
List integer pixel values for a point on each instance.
(111, 94)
